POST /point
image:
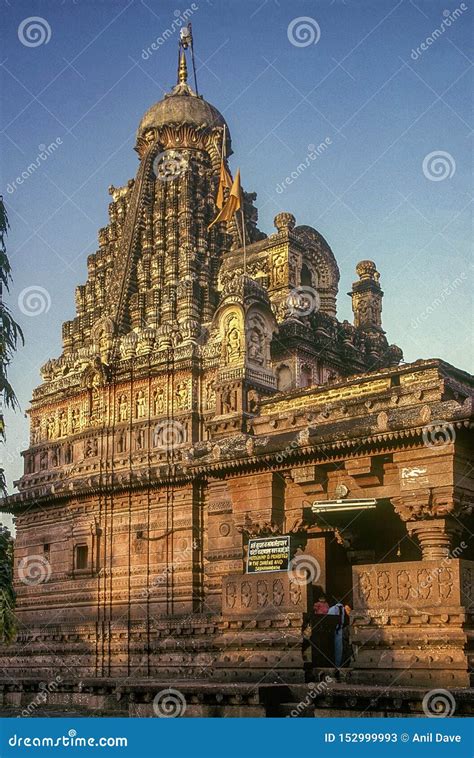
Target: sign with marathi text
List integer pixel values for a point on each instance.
(413, 477)
(268, 554)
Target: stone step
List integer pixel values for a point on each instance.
(295, 710)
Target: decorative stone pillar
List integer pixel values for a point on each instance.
(434, 536)
(367, 297)
(427, 515)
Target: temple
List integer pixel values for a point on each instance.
(205, 398)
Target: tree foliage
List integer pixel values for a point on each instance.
(10, 336)
(10, 333)
(7, 593)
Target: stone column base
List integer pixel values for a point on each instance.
(434, 536)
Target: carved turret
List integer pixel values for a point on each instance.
(367, 298)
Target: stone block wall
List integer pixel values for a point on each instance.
(412, 623)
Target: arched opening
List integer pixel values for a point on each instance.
(305, 376)
(306, 276)
(81, 557)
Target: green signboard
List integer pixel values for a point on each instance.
(268, 554)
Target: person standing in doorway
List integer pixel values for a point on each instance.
(338, 610)
(321, 606)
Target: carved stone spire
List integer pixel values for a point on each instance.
(367, 298)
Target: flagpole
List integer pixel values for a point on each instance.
(192, 58)
(223, 144)
(243, 237)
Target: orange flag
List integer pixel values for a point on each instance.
(225, 182)
(233, 204)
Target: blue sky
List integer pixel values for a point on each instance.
(393, 184)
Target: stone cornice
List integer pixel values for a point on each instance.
(215, 463)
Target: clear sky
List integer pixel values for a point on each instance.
(387, 84)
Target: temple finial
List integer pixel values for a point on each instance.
(182, 69)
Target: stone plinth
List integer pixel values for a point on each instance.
(262, 625)
(412, 623)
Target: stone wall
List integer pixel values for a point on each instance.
(412, 622)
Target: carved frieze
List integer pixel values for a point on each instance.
(267, 595)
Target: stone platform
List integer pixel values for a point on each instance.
(102, 698)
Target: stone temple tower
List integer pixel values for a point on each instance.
(200, 401)
(154, 280)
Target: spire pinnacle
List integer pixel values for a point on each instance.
(182, 69)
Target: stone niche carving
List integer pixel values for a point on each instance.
(122, 442)
(51, 428)
(96, 374)
(367, 311)
(279, 269)
(63, 424)
(182, 396)
(140, 439)
(233, 338)
(68, 453)
(253, 400)
(210, 395)
(35, 431)
(123, 408)
(95, 406)
(258, 340)
(229, 399)
(91, 447)
(158, 401)
(75, 420)
(102, 337)
(140, 404)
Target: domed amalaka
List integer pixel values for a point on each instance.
(181, 106)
